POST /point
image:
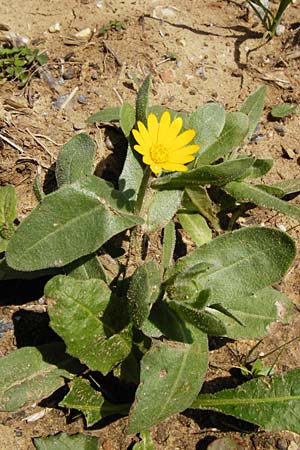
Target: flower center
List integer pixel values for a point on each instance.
(159, 153)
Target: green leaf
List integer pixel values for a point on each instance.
(30, 374)
(240, 262)
(196, 227)
(208, 121)
(146, 443)
(90, 402)
(234, 132)
(71, 222)
(203, 320)
(253, 107)
(203, 204)
(142, 100)
(106, 115)
(131, 176)
(272, 403)
(86, 268)
(217, 175)
(169, 241)
(127, 118)
(78, 314)
(256, 313)
(162, 208)
(64, 441)
(143, 291)
(283, 110)
(8, 214)
(244, 192)
(288, 186)
(75, 159)
(171, 376)
(159, 110)
(259, 168)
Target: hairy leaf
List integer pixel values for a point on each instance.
(272, 403)
(75, 159)
(131, 176)
(8, 214)
(127, 118)
(142, 100)
(64, 441)
(208, 121)
(169, 241)
(30, 374)
(253, 107)
(106, 115)
(196, 227)
(162, 208)
(71, 222)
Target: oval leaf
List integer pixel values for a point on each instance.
(208, 121)
(64, 441)
(196, 227)
(71, 222)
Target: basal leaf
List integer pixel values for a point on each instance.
(64, 441)
(171, 376)
(218, 175)
(244, 192)
(288, 186)
(8, 214)
(127, 118)
(142, 100)
(272, 403)
(71, 222)
(283, 110)
(86, 268)
(208, 121)
(30, 374)
(77, 313)
(162, 208)
(259, 168)
(143, 291)
(196, 227)
(233, 133)
(146, 442)
(203, 204)
(75, 159)
(253, 107)
(106, 115)
(90, 402)
(169, 241)
(131, 176)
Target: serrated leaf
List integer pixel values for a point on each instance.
(64, 441)
(283, 110)
(90, 402)
(78, 314)
(169, 241)
(71, 222)
(30, 374)
(244, 192)
(75, 159)
(127, 118)
(131, 176)
(162, 208)
(146, 442)
(218, 175)
(143, 291)
(142, 100)
(106, 115)
(208, 121)
(233, 133)
(196, 227)
(253, 106)
(272, 403)
(165, 388)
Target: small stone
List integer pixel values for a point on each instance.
(86, 33)
(94, 76)
(54, 28)
(282, 444)
(69, 73)
(82, 99)
(280, 130)
(79, 125)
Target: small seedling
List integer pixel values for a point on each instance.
(265, 15)
(113, 25)
(19, 63)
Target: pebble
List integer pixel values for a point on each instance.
(79, 125)
(280, 130)
(5, 326)
(82, 99)
(69, 73)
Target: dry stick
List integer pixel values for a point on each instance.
(69, 98)
(11, 143)
(110, 50)
(40, 143)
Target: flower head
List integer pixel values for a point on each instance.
(162, 145)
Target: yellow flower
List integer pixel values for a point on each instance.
(161, 145)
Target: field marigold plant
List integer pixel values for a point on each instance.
(162, 145)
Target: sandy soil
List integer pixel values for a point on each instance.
(196, 51)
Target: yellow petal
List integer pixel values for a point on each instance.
(174, 129)
(182, 140)
(155, 168)
(144, 133)
(188, 150)
(140, 149)
(164, 127)
(174, 167)
(147, 159)
(138, 137)
(152, 127)
(184, 159)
